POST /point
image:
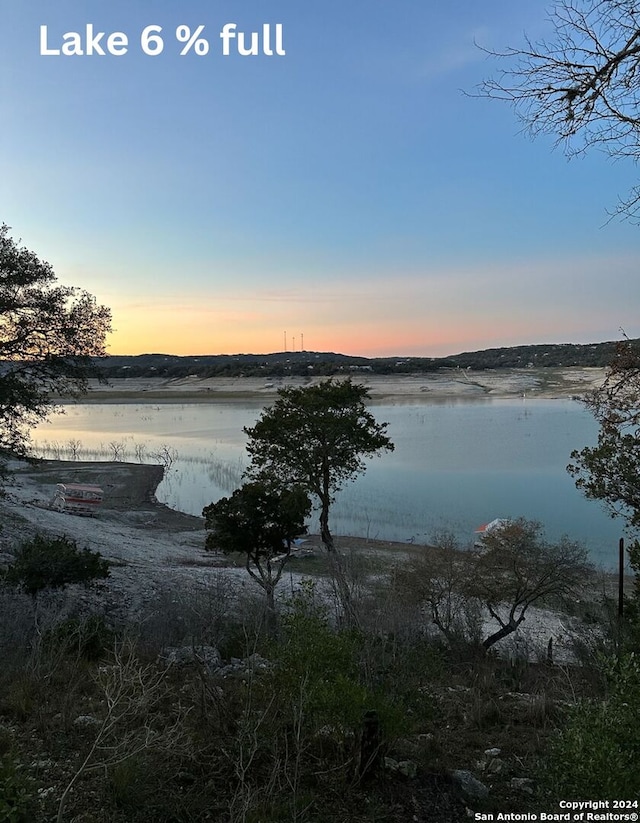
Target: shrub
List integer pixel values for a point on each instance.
(89, 638)
(54, 562)
(319, 669)
(16, 793)
(17, 628)
(596, 755)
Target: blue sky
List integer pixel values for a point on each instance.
(348, 190)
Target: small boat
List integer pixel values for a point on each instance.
(492, 525)
(77, 499)
(488, 528)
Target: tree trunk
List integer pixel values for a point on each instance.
(370, 746)
(325, 533)
(505, 631)
(267, 583)
(325, 502)
(271, 617)
(348, 618)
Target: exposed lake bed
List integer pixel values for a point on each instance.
(444, 384)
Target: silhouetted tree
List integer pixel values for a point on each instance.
(316, 437)
(610, 471)
(48, 337)
(261, 523)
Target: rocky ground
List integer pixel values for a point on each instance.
(143, 540)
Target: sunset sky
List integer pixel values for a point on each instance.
(347, 191)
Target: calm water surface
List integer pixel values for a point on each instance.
(455, 465)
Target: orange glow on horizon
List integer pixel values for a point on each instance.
(189, 339)
(389, 318)
(430, 314)
(201, 332)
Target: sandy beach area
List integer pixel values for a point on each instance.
(444, 385)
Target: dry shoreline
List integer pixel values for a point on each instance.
(154, 549)
(443, 386)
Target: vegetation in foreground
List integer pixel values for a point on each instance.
(196, 711)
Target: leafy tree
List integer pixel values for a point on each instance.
(52, 563)
(517, 567)
(316, 437)
(261, 523)
(630, 624)
(48, 336)
(582, 85)
(610, 471)
(514, 568)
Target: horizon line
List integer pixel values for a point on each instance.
(375, 357)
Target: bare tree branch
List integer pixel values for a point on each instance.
(582, 86)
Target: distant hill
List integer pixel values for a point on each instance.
(329, 363)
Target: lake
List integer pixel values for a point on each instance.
(456, 464)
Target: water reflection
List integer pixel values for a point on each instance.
(455, 465)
